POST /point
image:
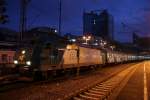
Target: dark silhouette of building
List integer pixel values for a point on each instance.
(142, 42)
(99, 24)
(43, 35)
(8, 39)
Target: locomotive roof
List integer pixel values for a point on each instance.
(104, 50)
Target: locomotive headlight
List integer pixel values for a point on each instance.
(15, 62)
(28, 63)
(23, 52)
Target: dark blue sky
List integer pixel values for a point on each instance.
(135, 13)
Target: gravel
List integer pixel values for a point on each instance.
(61, 90)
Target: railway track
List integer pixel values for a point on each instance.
(104, 90)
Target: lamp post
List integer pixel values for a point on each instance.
(86, 38)
(112, 47)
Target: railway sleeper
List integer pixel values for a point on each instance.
(97, 92)
(88, 97)
(113, 81)
(102, 89)
(104, 94)
(106, 91)
(105, 86)
(94, 95)
(109, 84)
(77, 98)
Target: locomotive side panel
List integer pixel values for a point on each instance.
(90, 56)
(81, 57)
(70, 58)
(110, 57)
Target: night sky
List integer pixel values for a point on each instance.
(134, 13)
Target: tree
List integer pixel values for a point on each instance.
(3, 16)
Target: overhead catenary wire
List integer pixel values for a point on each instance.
(40, 11)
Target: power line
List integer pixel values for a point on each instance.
(40, 11)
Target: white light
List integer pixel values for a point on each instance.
(84, 37)
(23, 52)
(28, 63)
(55, 31)
(94, 21)
(84, 43)
(95, 43)
(15, 62)
(73, 40)
(89, 37)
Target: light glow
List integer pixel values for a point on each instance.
(28, 63)
(15, 62)
(23, 52)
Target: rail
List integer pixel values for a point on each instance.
(103, 90)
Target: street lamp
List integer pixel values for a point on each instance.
(105, 43)
(55, 31)
(112, 47)
(86, 38)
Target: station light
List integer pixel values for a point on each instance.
(89, 37)
(72, 47)
(95, 44)
(69, 47)
(55, 31)
(94, 21)
(84, 37)
(105, 43)
(73, 40)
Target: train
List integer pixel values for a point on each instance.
(43, 60)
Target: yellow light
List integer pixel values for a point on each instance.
(68, 47)
(73, 47)
(89, 37)
(84, 37)
(23, 52)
